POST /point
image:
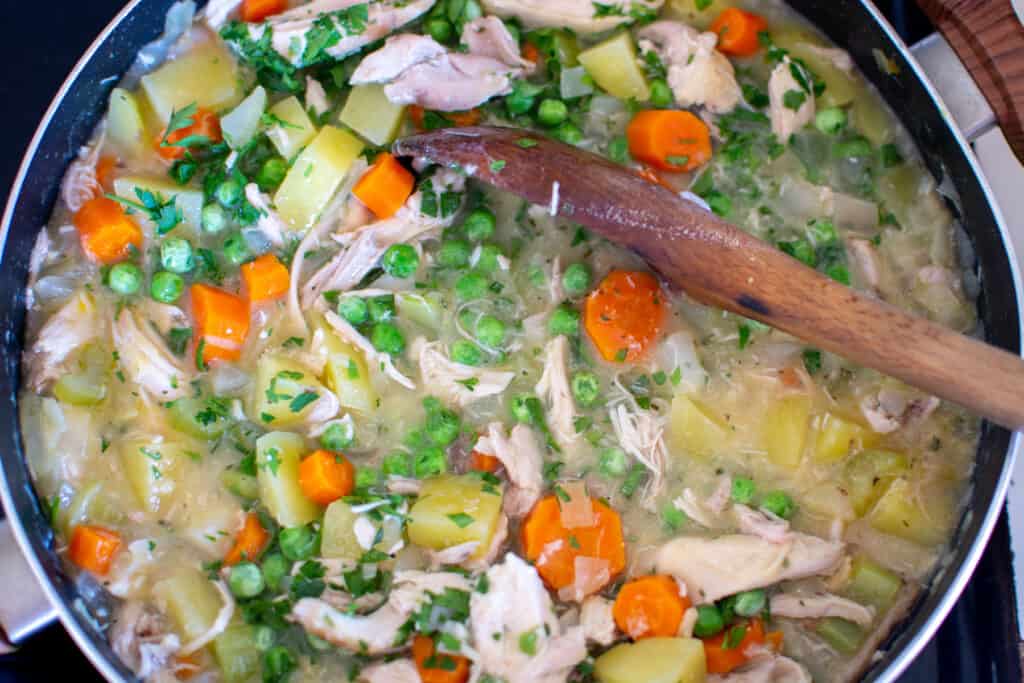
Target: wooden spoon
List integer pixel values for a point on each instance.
(723, 266)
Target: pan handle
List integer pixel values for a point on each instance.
(24, 608)
(988, 36)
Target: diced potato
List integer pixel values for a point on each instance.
(284, 393)
(152, 466)
(653, 660)
(237, 654)
(784, 430)
(422, 309)
(842, 636)
(694, 429)
(188, 200)
(614, 66)
(191, 601)
(241, 124)
(94, 505)
(834, 437)
(699, 13)
(338, 538)
(277, 460)
(898, 513)
(841, 87)
(126, 126)
(371, 114)
(867, 474)
(347, 374)
(207, 76)
(871, 583)
(827, 501)
(292, 128)
(315, 175)
(452, 510)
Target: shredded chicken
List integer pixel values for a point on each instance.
(865, 263)
(786, 120)
(80, 184)
(597, 621)
(517, 603)
(553, 388)
(641, 433)
(316, 98)
(489, 37)
(269, 223)
(140, 639)
(765, 669)
(578, 15)
(889, 410)
(713, 568)
(374, 358)
(76, 324)
(395, 671)
(698, 74)
(455, 383)
(216, 12)
(523, 463)
(147, 361)
(818, 606)
(761, 523)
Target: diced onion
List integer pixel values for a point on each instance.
(575, 83)
(591, 575)
(578, 511)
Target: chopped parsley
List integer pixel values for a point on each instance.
(302, 400)
(163, 212)
(461, 519)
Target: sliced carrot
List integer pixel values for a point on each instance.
(265, 278)
(737, 31)
(624, 315)
(105, 169)
(251, 540)
(204, 123)
(530, 52)
(93, 547)
(385, 187)
(324, 477)
(669, 139)
(721, 659)
(258, 10)
(469, 117)
(221, 321)
(554, 549)
(650, 607)
(438, 667)
(481, 462)
(107, 233)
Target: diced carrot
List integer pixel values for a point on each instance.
(624, 315)
(385, 186)
(438, 667)
(652, 176)
(721, 659)
(187, 666)
(107, 233)
(669, 139)
(204, 123)
(481, 462)
(324, 477)
(737, 31)
(250, 542)
(221, 321)
(530, 52)
(554, 549)
(470, 117)
(93, 547)
(258, 10)
(416, 113)
(105, 169)
(265, 278)
(650, 607)
(774, 640)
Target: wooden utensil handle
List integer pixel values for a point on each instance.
(988, 36)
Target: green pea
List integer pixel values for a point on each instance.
(354, 310)
(396, 464)
(166, 287)
(297, 543)
(779, 504)
(479, 224)
(453, 254)
(176, 255)
(470, 286)
(709, 621)
(576, 279)
(612, 462)
(236, 251)
(490, 331)
(387, 338)
(440, 29)
(487, 258)
(527, 408)
(429, 462)
(466, 352)
(830, 121)
(661, 94)
(275, 567)
(569, 133)
(338, 436)
(552, 112)
(366, 476)
(400, 260)
(472, 11)
(564, 320)
(246, 580)
(213, 218)
(264, 637)
(278, 662)
(381, 309)
(857, 148)
(750, 603)
(125, 278)
(522, 97)
(442, 425)
(743, 490)
(271, 173)
(586, 388)
(229, 193)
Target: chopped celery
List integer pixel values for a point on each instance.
(843, 636)
(872, 584)
(242, 485)
(237, 653)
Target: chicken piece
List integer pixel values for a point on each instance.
(146, 359)
(890, 409)
(818, 606)
(523, 463)
(690, 505)
(597, 621)
(80, 183)
(489, 37)
(164, 317)
(269, 223)
(697, 73)
(641, 433)
(399, 53)
(517, 603)
(216, 12)
(553, 388)
(786, 120)
(140, 638)
(766, 669)
(76, 324)
(378, 632)
(451, 381)
(395, 671)
(864, 259)
(713, 568)
(316, 97)
(761, 524)
(578, 15)
(374, 358)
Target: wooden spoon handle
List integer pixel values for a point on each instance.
(723, 266)
(988, 36)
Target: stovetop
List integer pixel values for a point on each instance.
(979, 641)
